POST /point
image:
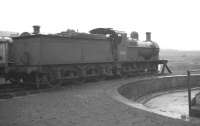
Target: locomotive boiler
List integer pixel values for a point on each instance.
(104, 52)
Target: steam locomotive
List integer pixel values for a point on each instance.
(54, 58)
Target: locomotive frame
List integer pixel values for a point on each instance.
(54, 75)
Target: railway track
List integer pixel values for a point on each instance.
(8, 91)
(12, 90)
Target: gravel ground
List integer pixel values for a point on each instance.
(88, 104)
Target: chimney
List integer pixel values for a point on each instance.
(148, 36)
(36, 29)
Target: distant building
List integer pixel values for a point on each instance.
(6, 35)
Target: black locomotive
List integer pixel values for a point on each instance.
(53, 58)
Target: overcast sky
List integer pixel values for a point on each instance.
(174, 24)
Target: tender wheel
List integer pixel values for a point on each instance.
(51, 80)
(93, 73)
(71, 75)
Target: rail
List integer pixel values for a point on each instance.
(189, 87)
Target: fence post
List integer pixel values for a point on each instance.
(189, 91)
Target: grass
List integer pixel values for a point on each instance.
(181, 61)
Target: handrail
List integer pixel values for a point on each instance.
(194, 70)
